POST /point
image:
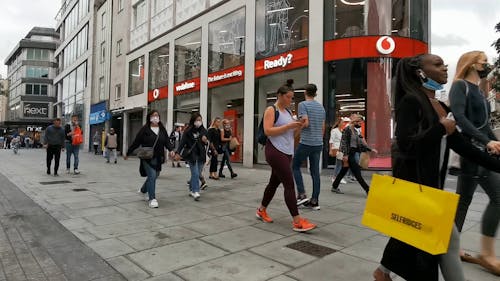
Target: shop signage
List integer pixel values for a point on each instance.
(34, 129)
(98, 113)
(356, 47)
(188, 86)
(226, 76)
(36, 110)
(385, 45)
(158, 94)
(286, 61)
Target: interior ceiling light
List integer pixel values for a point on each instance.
(282, 10)
(357, 3)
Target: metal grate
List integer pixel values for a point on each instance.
(53, 182)
(80, 189)
(312, 249)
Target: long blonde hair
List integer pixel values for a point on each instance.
(465, 63)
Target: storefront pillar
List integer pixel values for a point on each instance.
(204, 75)
(249, 108)
(316, 27)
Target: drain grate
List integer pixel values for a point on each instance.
(80, 189)
(53, 182)
(312, 249)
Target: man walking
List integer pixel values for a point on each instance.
(74, 138)
(312, 114)
(111, 144)
(54, 142)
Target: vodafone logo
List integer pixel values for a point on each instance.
(385, 45)
(156, 94)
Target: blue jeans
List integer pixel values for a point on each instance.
(302, 153)
(149, 185)
(194, 183)
(72, 149)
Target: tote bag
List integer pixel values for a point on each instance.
(418, 215)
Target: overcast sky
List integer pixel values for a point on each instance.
(457, 26)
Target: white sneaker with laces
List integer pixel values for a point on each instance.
(153, 203)
(196, 196)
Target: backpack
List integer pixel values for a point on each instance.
(261, 136)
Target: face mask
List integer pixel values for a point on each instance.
(357, 126)
(155, 120)
(227, 127)
(197, 124)
(486, 69)
(432, 85)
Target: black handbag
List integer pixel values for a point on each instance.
(186, 152)
(147, 152)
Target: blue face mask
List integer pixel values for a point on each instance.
(432, 85)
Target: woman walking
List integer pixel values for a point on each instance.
(152, 134)
(424, 136)
(472, 112)
(193, 149)
(350, 144)
(279, 150)
(214, 139)
(226, 134)
(335, 137)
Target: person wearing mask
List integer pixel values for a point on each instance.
(226, 134)
(352, 143)
(335, 137)
(192, 148)
(472, 112)
(175, 138)
(96, 139)
(312, 114)
(111, 143)
(54, 142)
(152, 134)
(214, 140)
(279, 150)
(424, 136)
(72, 146)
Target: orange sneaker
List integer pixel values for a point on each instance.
(303, 225)
(262, 215)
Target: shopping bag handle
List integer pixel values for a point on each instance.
(419, 185)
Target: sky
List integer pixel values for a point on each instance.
(457, 26)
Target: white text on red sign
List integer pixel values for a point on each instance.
(227, 75)
(185, 86)
(282, 61)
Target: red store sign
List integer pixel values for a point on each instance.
(226, 76)
(188, 86)
(285, 61)
(158, 94)
(373, 47)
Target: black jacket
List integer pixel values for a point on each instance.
(67, 130)
(191, 139)
(417, 159)
(146, 138)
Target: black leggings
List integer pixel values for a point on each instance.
(53, 151)
(213, 164)
(281, 173)
(356, 171)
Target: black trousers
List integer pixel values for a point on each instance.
(356, 171)
(53, 151)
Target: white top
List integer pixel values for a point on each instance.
(156, 130)
(335, 136)
(285, 141)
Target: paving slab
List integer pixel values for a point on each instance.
(152, 239)
(241, 238)
(109, 248)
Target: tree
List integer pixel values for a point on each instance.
(496, 73)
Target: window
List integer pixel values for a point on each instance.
(103, 20)
(158, 67)
(419, 20)
(136, 77)
(188, 56)
(118, 91)
(343, 19)
(101, 88)
(29, 89)
(44, 90)
(103, 52)
(120, 5)
(139, 14)
(37, 89)
(119, 47)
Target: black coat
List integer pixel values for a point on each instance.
(417, 159)
(191, 139)
(146, 138)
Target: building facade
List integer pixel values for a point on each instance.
(32, 67)
(227, 58)
(4, 94)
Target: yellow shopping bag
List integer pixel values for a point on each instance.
(418, 215)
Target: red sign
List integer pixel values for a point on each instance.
(188, 86)
(158, 94)
(226, 76)
(366, 47)
(286, 61)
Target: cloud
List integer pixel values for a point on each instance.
(448, 39)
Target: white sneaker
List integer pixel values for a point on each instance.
(68, 171)
(196, 196)
(153, 203)
(191, 194)
(76, 172)
(342, 181)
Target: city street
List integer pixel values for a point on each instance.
(95, 226)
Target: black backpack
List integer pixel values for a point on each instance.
(261, 136)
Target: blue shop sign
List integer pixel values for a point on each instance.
(98, 113)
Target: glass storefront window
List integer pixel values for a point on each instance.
(185, 105)
(226, 41)
(280, 26)
(136, 77)
(344, 19)
(158, 68)
(188, 56)
(400, 18)
(419, 20)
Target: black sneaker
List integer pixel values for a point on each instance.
(204, 186)
(56, 175)
(221, 176)
(48, 171)
(115, 162)
(313, 205)
(337, 190)
(178, 165)
(302, 199)
(233, 175)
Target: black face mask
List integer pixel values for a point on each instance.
(357, 126)
(486, 69)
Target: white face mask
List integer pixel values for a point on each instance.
(197, 124)
(155, 120)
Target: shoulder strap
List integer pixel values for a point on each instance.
(466, 88)
(276, 113)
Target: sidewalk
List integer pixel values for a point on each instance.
(217, 238)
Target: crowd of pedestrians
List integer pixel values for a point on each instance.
(425, 132)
